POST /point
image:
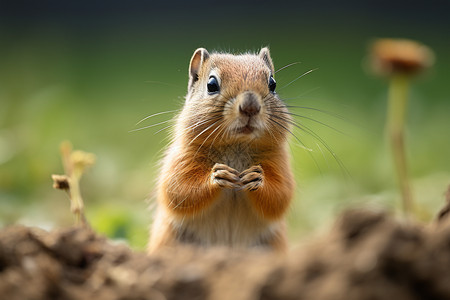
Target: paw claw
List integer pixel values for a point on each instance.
(252, 178)
(225, 176)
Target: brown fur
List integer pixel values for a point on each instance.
(220, 184)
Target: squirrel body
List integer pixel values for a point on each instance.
(226, 178)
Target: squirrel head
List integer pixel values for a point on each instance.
(233, 97)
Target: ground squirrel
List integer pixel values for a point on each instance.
(226, 177)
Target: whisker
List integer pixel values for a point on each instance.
(219, 133)
(154, 115)
(202, 132)
(311, 119)
(318, 138)
(199, 147)
(175, 110)
(214, 112)
(162, 129)
(149, 126)
(306, 73)
(329, 113)
(287, 66)
(269, 129)
(323, 155)
(181, 202)
(153, 125)
(302, 94)
(287, 129)
(336, 158)
(201, 122)
(302, 145)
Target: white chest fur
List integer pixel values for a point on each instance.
(229, 221)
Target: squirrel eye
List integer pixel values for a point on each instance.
(213, 85)
(272, 84)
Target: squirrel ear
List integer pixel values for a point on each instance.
(265, 55)
(197, 60)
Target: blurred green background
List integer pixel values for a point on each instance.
(88, 71)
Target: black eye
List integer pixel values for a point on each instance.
(272, 84)
(213, 85)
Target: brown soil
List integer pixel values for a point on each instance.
(365, 255)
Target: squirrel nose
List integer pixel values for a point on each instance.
(250, 105)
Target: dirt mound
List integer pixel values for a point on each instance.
(366, 255)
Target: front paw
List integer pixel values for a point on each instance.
(252, 178)
(225, 176)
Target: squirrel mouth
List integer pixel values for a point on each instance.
(247, 129)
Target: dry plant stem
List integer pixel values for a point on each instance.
(74, 175)
(397, 102)
(76, 203)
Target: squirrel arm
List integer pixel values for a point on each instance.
(186, 187)
(272, 198)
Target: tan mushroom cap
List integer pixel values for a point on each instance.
(390, 56)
